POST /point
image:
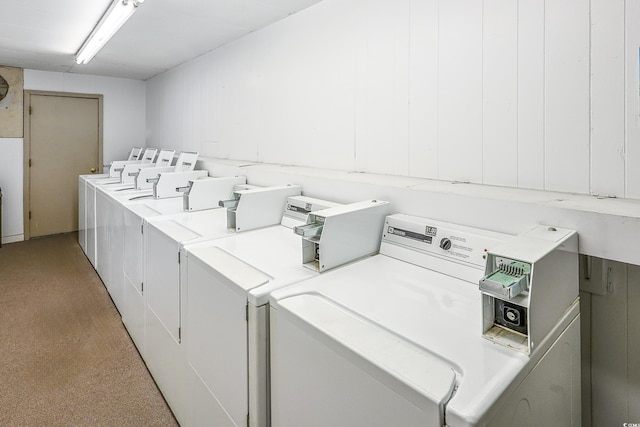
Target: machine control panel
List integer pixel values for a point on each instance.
(438, 238)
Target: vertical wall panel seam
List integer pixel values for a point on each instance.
(438, 93)
(590, 142)
(409, 91)
(625, 149)
(482, 100)
(408, 122)
(517, 94)
(355, 104)
(544, 94)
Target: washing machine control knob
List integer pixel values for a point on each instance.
(445, 244)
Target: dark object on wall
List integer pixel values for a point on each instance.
(11, 102)
(4, 88)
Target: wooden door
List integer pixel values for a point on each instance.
(63, 141)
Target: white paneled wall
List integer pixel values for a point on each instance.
(500, 92)
(607, 96)
(308, 110)
(527, 93)
(382, 87)
(566, 95)
(460, 91)
(530, 96)
(423, 96)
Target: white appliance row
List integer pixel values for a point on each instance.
(145, 180)
(259, 306)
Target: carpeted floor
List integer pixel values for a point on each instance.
(65, 356)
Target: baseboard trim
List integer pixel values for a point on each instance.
(12, 239)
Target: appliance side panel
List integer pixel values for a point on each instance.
(216, 340)
(551, 387)
(610, 348)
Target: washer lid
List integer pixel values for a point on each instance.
(149, 208)
(142, 210)
(187, 226)
(168, 206)
(274, 250)
(438, 313)
(417, 374)
(240, 275)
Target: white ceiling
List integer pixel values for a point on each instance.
(46, 34)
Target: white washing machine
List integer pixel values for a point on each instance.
(407, 338)
(109, 234)
(110, 201)
(127, 173)
(82, 198)
(145, 186)
(91, 183)
(126, 179)
(145, 157)
(163, 238)
(226, 292)
(204, 193)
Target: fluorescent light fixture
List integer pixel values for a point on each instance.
(115, 16)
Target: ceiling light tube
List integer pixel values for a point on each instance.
(117, 14)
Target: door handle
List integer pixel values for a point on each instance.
(93, 170)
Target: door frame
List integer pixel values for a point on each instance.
(27, 144)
